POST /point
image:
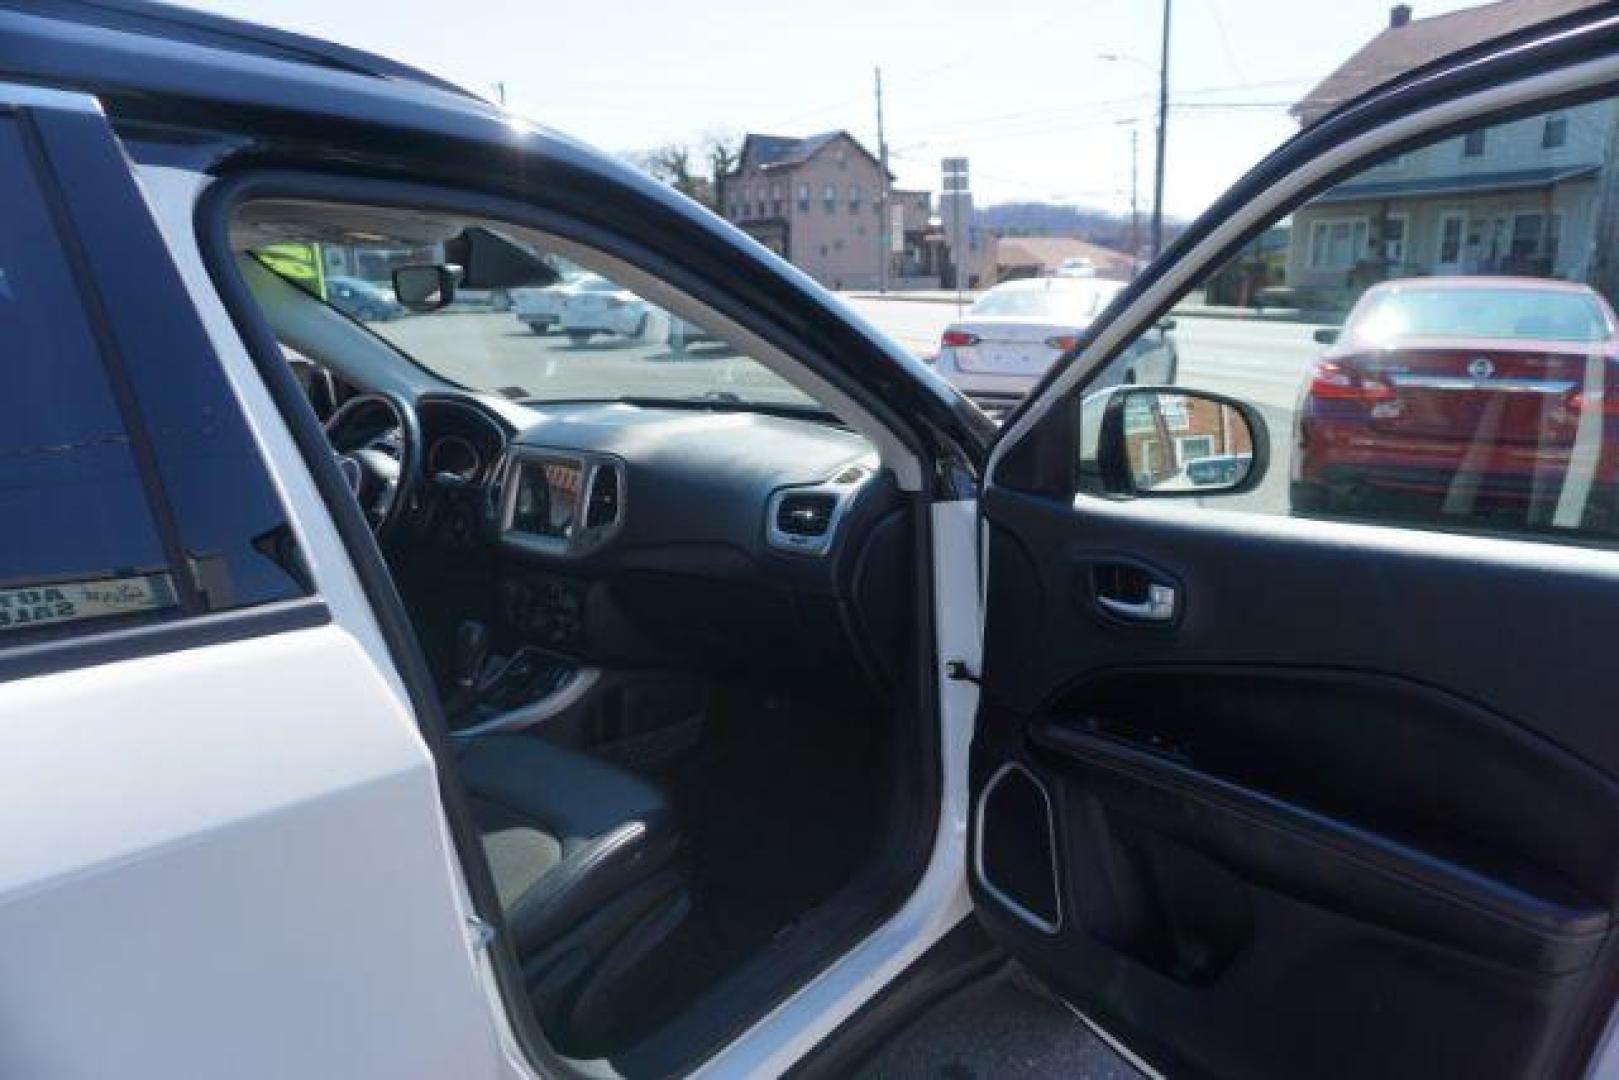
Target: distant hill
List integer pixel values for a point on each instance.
(1059, 219)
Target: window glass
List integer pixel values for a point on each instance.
(585, 338)
(1463, 374)
(80, 542)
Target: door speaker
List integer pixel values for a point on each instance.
(1016, 847)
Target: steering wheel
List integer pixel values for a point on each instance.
(382, 473)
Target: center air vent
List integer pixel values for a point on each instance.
(603, 508)
(806, 514)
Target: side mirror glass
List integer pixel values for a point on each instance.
(425, 288)
(1154, 442)
(1326, 336)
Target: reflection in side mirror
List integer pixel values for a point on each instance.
(1326, 336)
(425, 288)
(1168, 441)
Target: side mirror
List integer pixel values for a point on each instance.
(425, 288)
(1165, 324)
(1161, 441)
(1325, 336)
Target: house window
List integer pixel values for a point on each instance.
(854, 198)
(803, 196)
(829, 196)
(1193, 447)
(1525, 241)
(1554, 133)
(1473, 143)
(1452, 228)
(1554, 236)
(1337, 244)
(1394, 238)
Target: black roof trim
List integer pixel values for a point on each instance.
(173, 23)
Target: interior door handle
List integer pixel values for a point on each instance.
(1159, 606)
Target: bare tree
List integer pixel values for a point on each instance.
(724, 153)
(696, 171)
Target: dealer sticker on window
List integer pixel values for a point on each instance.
(70, 601)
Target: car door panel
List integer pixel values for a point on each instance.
(1400, 848)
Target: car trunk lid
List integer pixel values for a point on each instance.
(1010, 345)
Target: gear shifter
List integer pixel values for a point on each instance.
(471, 651)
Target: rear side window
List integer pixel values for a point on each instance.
(79, 541)
(130, 488)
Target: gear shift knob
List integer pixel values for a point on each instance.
(471, 649)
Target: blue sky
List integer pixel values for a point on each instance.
(1017, 86)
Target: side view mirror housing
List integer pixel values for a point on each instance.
(1145, 436)
(425, 288)
(1326, 336)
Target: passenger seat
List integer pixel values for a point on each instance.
(586, 862)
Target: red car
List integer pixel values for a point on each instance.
(1464, 397)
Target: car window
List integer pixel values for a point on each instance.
(586, 337)
(81, 543)
(1046, 299)
(1431, 342)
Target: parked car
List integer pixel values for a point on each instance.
(534, 719)
(1014, 332)
(540, 309)
(1076, 267)
(364, 300)
(598, 306)
(1439, 385)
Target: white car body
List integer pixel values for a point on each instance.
(1013, 333)
(540, 309)
(604, 309)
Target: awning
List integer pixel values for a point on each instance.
(1422, 187)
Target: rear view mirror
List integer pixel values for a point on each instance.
(1326, 336)
(425, 288)
(1153, 442)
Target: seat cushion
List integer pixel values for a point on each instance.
(564, 832)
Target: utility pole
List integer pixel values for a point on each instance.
(883, 240)
(500, 93)
(1163, 132)
(1135, 204)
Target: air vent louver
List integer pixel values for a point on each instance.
(603, 509)
(807, 514)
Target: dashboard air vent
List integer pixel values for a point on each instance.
(603, 509)
(806, 513)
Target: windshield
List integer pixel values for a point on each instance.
(584, 338)
(1437, 311)
(1048, 300)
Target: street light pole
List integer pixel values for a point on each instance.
(1163, 132)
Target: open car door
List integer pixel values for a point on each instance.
(1298, 747)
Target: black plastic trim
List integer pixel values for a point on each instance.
(153, 639)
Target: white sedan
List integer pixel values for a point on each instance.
(599, 306)
(1013, 334)
(540, 309)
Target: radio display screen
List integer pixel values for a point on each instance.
(547, 498)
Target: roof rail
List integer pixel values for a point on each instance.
(174, 23)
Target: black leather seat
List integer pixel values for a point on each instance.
(570, 839)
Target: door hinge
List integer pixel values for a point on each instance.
(958, 671)
(481, 932)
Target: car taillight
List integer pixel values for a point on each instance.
(955, 339)
(1332, 380)
(1062, 342)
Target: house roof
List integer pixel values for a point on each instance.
(1398, 49)
(785, 151)
(1048, 252)
(1466, 184)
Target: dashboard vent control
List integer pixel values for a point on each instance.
(603, 509)
(806, 514)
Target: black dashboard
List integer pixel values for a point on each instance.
(619, 533)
